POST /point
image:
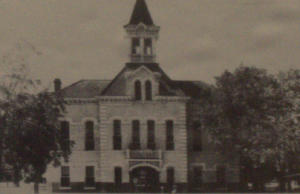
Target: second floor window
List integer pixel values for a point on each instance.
(65, 135)
(151, 135)
(89, 135)
(138, 90)
(197, 136)
(90, 176)
(170, 135)
(65, 176)
(117, 138)
(135, 144)
(148, 87)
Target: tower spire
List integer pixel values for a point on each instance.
(143, 34)
(141, 14)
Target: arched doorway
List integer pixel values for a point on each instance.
(144, 179)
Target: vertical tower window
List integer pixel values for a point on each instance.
(135, 135)
(170, 177)
(90, 176)
(65, 134)
(197, 136)
(148, 86)
(118, 176)
(89, 135)
(65, 176)
(117, 139)
(135, 46)
(138, 90)
(170, 135)
(221, 175)
(148, 46)
(151, 135)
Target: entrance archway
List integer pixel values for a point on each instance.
(144, 179)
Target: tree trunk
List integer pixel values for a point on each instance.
(36, 187)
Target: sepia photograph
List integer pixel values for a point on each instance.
(149, 96)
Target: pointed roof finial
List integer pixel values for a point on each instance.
(140, 14)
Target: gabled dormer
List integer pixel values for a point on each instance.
(142, 33)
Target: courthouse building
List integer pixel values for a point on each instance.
(140, 131)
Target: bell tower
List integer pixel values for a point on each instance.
(143, 34)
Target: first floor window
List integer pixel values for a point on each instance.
(90, 176)
(170, 176)
(118, 176)
(65, 176)
(221, 175)
(197, 178)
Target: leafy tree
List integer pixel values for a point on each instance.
(32, 138)
(250, 115)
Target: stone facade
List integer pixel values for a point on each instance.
(105, 113)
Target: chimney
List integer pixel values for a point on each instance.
(57, 85)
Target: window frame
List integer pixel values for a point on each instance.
(89, 136)
(65, 177)
(170, 145)
(117, 137)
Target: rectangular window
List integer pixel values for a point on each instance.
(65, 176)
(170, 135)
(136, 46)
(118, 176)
(117, 138)
(221, 175)
(90, 176)
(170, 176)
(89, 136)
(151, 135)
(197, 178)
(65, 134)
(148, 46)
(197, 136)
(136, 144)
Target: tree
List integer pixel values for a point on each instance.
(32, 138)
(249, 116)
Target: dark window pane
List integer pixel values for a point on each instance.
(135, 134)
(65, 176)
(118, 176)
(148, 90)
(138, 90)
(89, 136)
(90, 176)
(221, 175)
(65, 133)
(148, 46)
(151, 135)
(170, 135)
(117, 138)
(135, 46)
(197, 136)
(170, 176)
(197, 176)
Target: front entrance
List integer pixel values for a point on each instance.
(144, 179)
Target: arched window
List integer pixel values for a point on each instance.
(138, 90)
(148, 90)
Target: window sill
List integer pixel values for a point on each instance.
(64, 188)
(89, 188)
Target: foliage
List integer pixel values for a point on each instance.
(252, 114)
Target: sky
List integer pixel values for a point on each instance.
(199, 39)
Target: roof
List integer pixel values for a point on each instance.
(140, 14)
(85, 89)
(194, 89)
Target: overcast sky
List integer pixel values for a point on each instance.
(199, 39)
